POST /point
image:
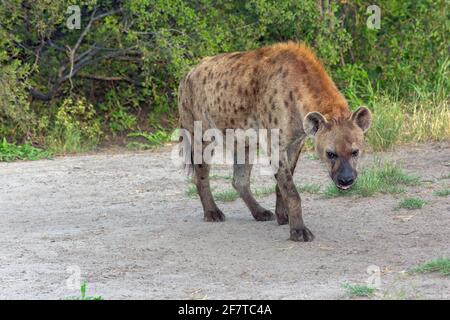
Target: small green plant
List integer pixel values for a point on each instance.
(151, 140)
(191, 191)
(117, 109)
(76, 127)
(441, 265)
(121, 120)
(226, 196)
(263, 191)
(308, 188)
(411, 204)
(442, 193)
(83, 294)
(11, 152)
(359, 290)
(383, 177)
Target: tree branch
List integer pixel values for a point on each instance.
(106, 78)
(81, 63)
(76, 62)
(86, 30)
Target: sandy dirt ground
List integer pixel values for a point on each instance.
(126, 222)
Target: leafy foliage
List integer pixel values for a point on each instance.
(76, 127)
(11, 152)
(127, 59)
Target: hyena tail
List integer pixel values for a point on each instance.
(186, 124)
(186, 151)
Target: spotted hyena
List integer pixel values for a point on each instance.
(279, 86)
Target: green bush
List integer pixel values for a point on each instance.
(15, 113)
(11, 152)
(128, 64)
(76, 127)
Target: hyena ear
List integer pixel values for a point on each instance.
(363, 118)
(312, 123)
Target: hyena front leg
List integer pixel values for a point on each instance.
(201, 180)
(281, 209)
(291, 198)
(241, 182)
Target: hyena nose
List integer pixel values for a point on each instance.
(346, 180)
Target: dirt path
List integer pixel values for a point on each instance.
(126, 222)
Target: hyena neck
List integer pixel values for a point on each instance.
(336, 111)
(317, 91)
(330, 102)
(332, 108)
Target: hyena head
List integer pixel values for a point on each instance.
(339, 143)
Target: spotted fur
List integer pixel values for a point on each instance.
(279, 86)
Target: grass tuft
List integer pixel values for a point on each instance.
(441, 265)
(226, 196)
(387, 124)
(420, 119)
(359, 290)
(411, 204)
(442, 193)
(427, 119)
(263, 191)
(383, 177)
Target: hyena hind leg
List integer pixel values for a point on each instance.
(241, 182)
(201, 180)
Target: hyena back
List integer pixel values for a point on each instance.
(285, 87)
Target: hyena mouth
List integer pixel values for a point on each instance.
(341, 186)
(344, 188)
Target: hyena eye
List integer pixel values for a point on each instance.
(331, 155)
(355, 153)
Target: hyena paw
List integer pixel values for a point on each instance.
(301, 234)
(264, 215)
(214, 216)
